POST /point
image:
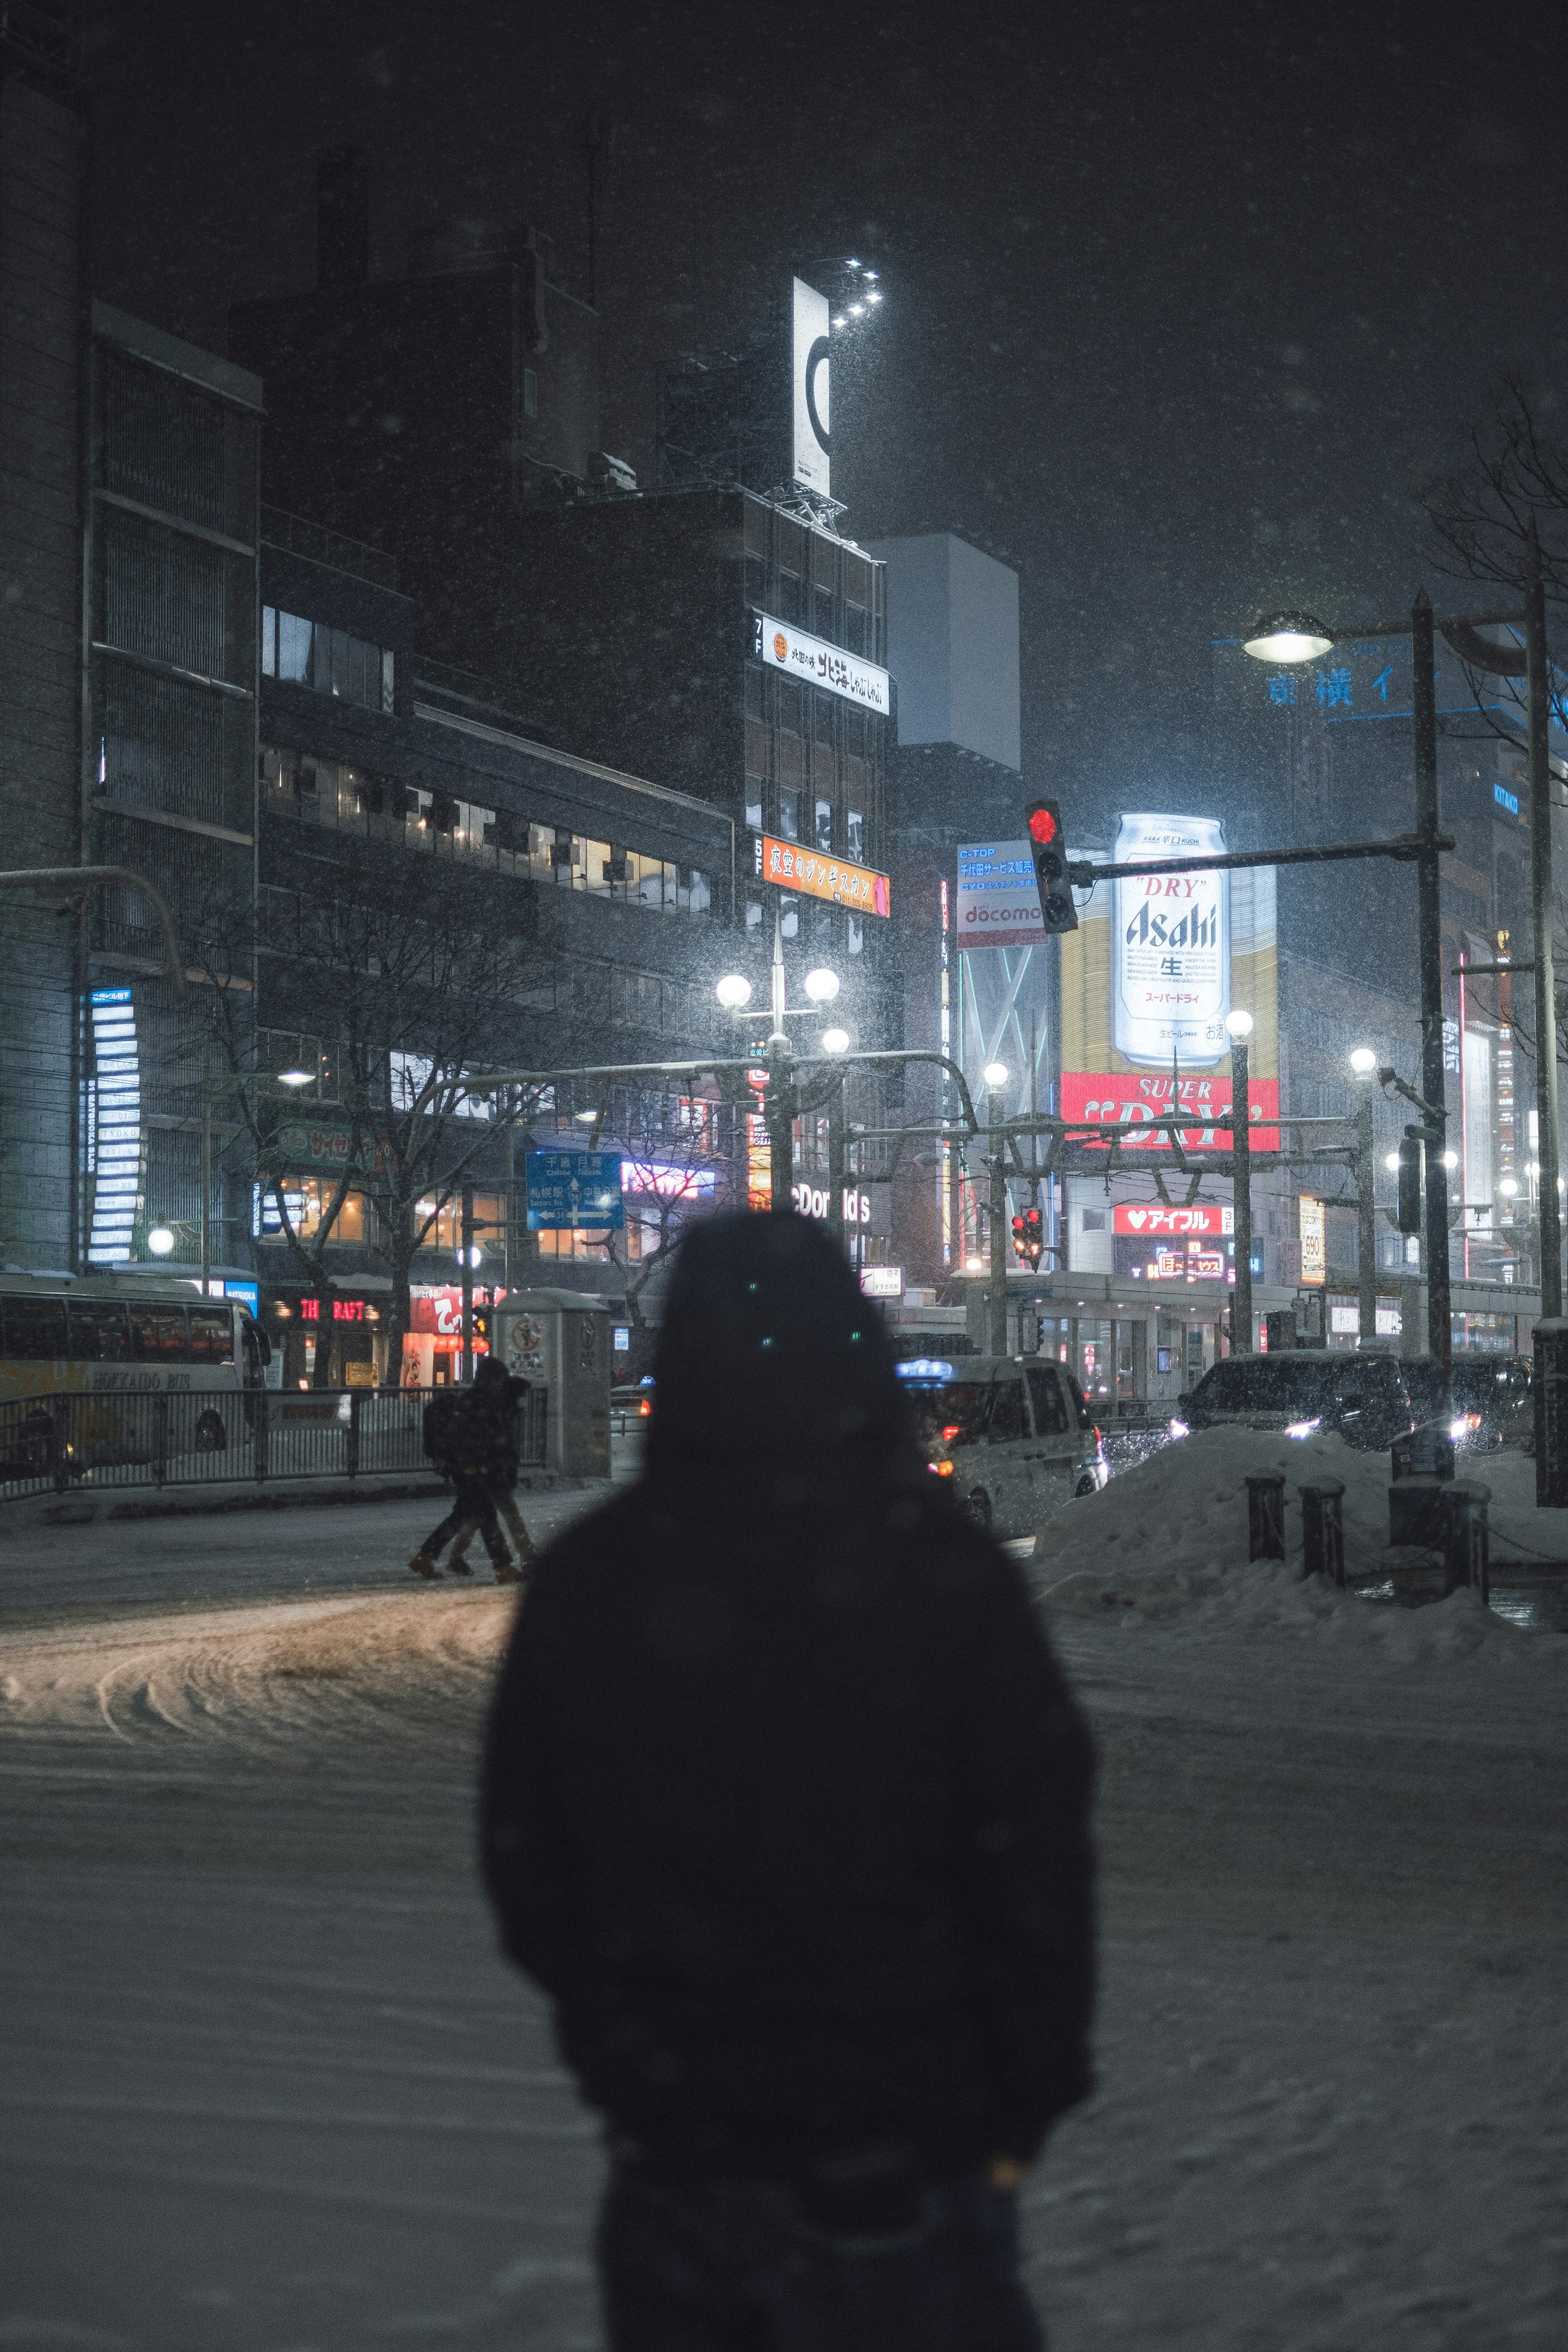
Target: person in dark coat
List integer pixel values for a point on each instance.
(785, 1807)
(479, 1437)
(505, 1404)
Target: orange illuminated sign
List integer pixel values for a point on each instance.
(793, 867)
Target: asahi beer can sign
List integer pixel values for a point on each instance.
(1173, 946)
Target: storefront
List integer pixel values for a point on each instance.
(434, 1341)
(355, 1339)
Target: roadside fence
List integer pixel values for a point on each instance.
(89, 1442)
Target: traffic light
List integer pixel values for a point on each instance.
(1020, 1237)
(482, 1324)
(1034, 1236)
(1408, 1217)
(1047, 847)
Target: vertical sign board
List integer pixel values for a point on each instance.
(114, 1127)
(998, 898)
(811, 435)
(1314, 1241)
(1147, 979)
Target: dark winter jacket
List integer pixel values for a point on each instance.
(483, 1437)
(785, 1799)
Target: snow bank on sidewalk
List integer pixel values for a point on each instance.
(1167, 1542)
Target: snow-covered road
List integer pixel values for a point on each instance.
(267, 2086)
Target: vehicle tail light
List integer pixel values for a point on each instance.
(645, 1408)
(951, 1431)
(1098, 1439)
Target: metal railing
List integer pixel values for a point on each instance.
(89, 1443)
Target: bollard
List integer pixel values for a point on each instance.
(1467, 1545)
(1266, 1515)
(1323, 1529)
(1416, 1511)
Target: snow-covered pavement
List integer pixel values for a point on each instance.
(266, 2086)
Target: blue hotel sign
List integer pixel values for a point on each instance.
(568, 1189)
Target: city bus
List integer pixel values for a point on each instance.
(114, 1343)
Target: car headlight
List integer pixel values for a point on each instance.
(1304, 1428)
(1462, 1424)
(1177, 1429)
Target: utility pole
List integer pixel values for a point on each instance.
(836, 1163)
(995, 1079)
(1429, 874)
(467, 1357)
(1239, 1023)
(206, 1167)
(509, 1207)
(1363, 1062)
(778, 1103)
(1543, 900)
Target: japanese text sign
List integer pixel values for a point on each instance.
(782, 645)
(794, 867)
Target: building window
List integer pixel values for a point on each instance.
(531, 392)
(789, 813)
(308, 652)
(754, 804)
(855, 833)
(789, 918)
(754, 915)
(824, 827)
(854, 934)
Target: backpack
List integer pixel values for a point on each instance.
(439, 1430)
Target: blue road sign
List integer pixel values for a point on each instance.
(574, 1187)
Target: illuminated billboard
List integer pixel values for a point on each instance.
(796, 869)
(811, 435)
(782, 645)
(998, 898)
(1147, 980)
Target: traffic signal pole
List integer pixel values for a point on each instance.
(1241, 1153)
(997, 1319)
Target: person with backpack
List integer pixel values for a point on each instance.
(465, 1433)
(785, 1807)
(508, 1457)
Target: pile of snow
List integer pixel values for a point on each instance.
(1168, 1541)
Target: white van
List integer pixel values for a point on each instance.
(1012, 1433)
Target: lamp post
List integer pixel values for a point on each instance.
(835, 1041)
(1239, 1025)
(1288, 637)
(1363, 1062)
(1542, 913)
(735, 994)
(995, 1076)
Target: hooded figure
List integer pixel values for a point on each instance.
(785, 1807)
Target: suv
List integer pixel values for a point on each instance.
(1490, 1400)
(1012, 1433)
(1369, 1400)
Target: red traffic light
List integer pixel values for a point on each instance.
(1042, 827)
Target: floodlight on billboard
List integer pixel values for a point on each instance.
(812, 420)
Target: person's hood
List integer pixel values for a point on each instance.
(768, 1348)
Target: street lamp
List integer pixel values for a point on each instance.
(835, 1041)
(733, 991)
(1363, 1062)
(735, 994)
(994, 1073)
(822, 986)
(1239, 1025)
(296, 1078)
(1287, 637)
(160, 1241)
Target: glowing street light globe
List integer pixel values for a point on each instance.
(1509, 1189)
(160, 1241)
(1363, 1061)
(1391, 1161)
(1287, 637)
(822, 986)
(994, 1073)
(1239, 1023)
(733, 991)
(835, 1041)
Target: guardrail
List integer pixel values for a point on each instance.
(89, 1442)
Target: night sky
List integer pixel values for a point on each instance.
(1182, 301)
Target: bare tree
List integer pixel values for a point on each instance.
(670, 1168)
(1508, 510)
(406, 968)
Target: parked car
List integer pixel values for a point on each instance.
(1369, 1400)
(1492, 1402)
(1014, 1433)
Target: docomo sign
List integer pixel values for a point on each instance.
(1130, 1099)
(811, 1200)
(834, 878)
(998, 898)
(1200, 1219)
(782, 645)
